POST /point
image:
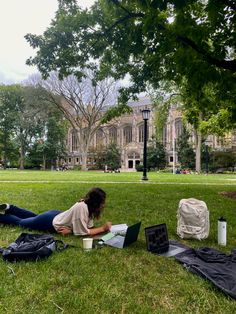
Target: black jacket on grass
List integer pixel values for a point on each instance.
(213, 265)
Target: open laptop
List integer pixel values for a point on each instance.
(158, 243)
(130, 237)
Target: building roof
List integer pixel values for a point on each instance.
(142, 101)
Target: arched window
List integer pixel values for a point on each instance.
(178, 127)
(234, 135)
(127, 133)
(133, 155)
(141, 133)
(113, 135)
(164, 135)
(99, 137)
(85, 133)
(74, 140)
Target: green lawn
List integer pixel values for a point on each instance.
(110, 280)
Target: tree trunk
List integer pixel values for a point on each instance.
(56, 164)
(84, 161)
(198, 137)
(4, 160)
(84, 153)
(44, 163)
(22, 158)
(4, 154)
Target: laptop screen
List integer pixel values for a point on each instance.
(132, 234)
(157, 238)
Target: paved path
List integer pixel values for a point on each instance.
(119, 182)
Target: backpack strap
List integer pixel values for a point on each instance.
(61, 246)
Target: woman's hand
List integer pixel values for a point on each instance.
(64, 230)
(101, 229)
(107, 226)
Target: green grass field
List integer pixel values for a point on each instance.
(110, 280)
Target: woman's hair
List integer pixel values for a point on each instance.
(94, 199)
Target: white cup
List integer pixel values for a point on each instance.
(87, 244)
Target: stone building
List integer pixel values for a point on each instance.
(127, 132)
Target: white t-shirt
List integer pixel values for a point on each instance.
(77, 218)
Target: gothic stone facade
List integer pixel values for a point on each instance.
(127, 132)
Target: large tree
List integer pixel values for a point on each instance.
(31, 117)
(199, 109)
(185, 151)
(83, 102)
(49, 149)
(149, 40)
(18, 122)
(112, 157)
(156, 155)
(9, 97)
(24, 115)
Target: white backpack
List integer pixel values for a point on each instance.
(193, 219)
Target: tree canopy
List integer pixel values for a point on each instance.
(149, 40)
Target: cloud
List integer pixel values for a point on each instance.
(17, 18)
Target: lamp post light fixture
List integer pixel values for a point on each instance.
(146, 116)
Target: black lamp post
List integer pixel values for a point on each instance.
(146, 115)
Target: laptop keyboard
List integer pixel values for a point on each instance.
(115, 240)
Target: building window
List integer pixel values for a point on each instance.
(99, 137)
(74, 140)
(164, 135)
(141, 133)
(220, 141)
(113, 135)
(178, 127)
(127, 133)
(85, 133)
(234, 136)
(133, 155)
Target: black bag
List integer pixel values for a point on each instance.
(32, 247)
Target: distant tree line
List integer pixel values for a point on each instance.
(32, 130)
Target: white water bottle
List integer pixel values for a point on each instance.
(222, 231)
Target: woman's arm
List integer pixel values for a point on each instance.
(64, 230)
(103, 228)
(93, 231)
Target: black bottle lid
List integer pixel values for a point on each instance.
(222, 219)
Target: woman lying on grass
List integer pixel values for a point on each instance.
(77, 220)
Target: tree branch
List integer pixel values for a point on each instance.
(123, 19)
(224, 64)
(231, 4)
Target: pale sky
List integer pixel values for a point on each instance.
(17, 18)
